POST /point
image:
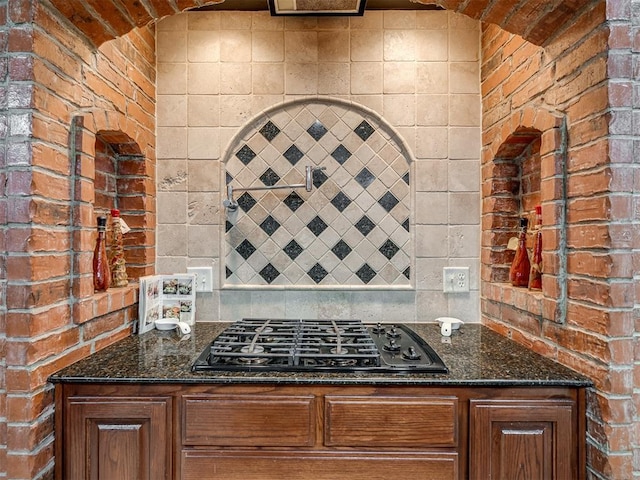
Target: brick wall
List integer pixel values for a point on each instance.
(61, 95)
(54, 83)
(584, 316)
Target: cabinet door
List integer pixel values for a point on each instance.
(117, 438)
(523, 440)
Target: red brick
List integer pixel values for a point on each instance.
(21, 11)
(28, 437)
(104, 324)
(35, 324)
(37, 295)
(20, 40)
(600, 265)
(95, 30)
(26, 408)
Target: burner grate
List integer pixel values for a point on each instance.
(312, 345)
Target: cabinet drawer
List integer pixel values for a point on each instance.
(248, 420)
(413, 422)
(199, 464)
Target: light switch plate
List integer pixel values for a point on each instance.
(455, 279)
(204, 278)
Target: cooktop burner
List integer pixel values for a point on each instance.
(318, 345)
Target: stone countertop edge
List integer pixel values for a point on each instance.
(475, 356)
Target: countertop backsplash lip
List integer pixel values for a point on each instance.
(475, 357)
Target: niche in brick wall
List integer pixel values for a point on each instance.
(120, 183)
(524, 163)
(110, 171)
(515, 190)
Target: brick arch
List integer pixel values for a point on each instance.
(536, 21)
(528, 147)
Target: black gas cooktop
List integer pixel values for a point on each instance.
(294, 345)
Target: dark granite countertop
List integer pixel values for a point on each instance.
(476, 356)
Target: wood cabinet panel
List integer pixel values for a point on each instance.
(386, 421)
(216, 465)
(513, 440)
(248, 420)
(320, 432)
(123, 438)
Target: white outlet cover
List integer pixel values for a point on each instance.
(204, 278)
(455, 279)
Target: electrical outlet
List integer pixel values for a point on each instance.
(455, 279)
(204, 278)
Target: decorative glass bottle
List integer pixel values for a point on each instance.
(519, 273)
(535, 276)
(116, 253)
(101, 273)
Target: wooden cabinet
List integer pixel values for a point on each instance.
(298, 432)
(127, 438)
(519, 439)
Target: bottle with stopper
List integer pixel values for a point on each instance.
(535, 277)
(116, 252)
(101, 272)
(519, 273)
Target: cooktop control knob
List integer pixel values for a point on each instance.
(393, 332)
(392, 346)
(411, 354)
(378, 329)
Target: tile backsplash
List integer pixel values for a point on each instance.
(388, 104)
(351, 229)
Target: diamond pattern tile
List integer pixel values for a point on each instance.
(270, 130)
(270, 225)
(388, 201)
(246, 202)
(341, 249)
(293, 154)
(364, 130)
(365, 178)
(317, 130)
(293, 201)
(365, 225)
(269, 273)
(341, 154)
(319, 178)
(297, 237)
(389, 249)
(366, 273)
(317, 273)
(246, 249)
(340, 201)
(245, 154)
(293, 249)
(317, 226)
(269, 178)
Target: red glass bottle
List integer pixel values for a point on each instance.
(519, 273)
(101, 272)
(535, 276)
